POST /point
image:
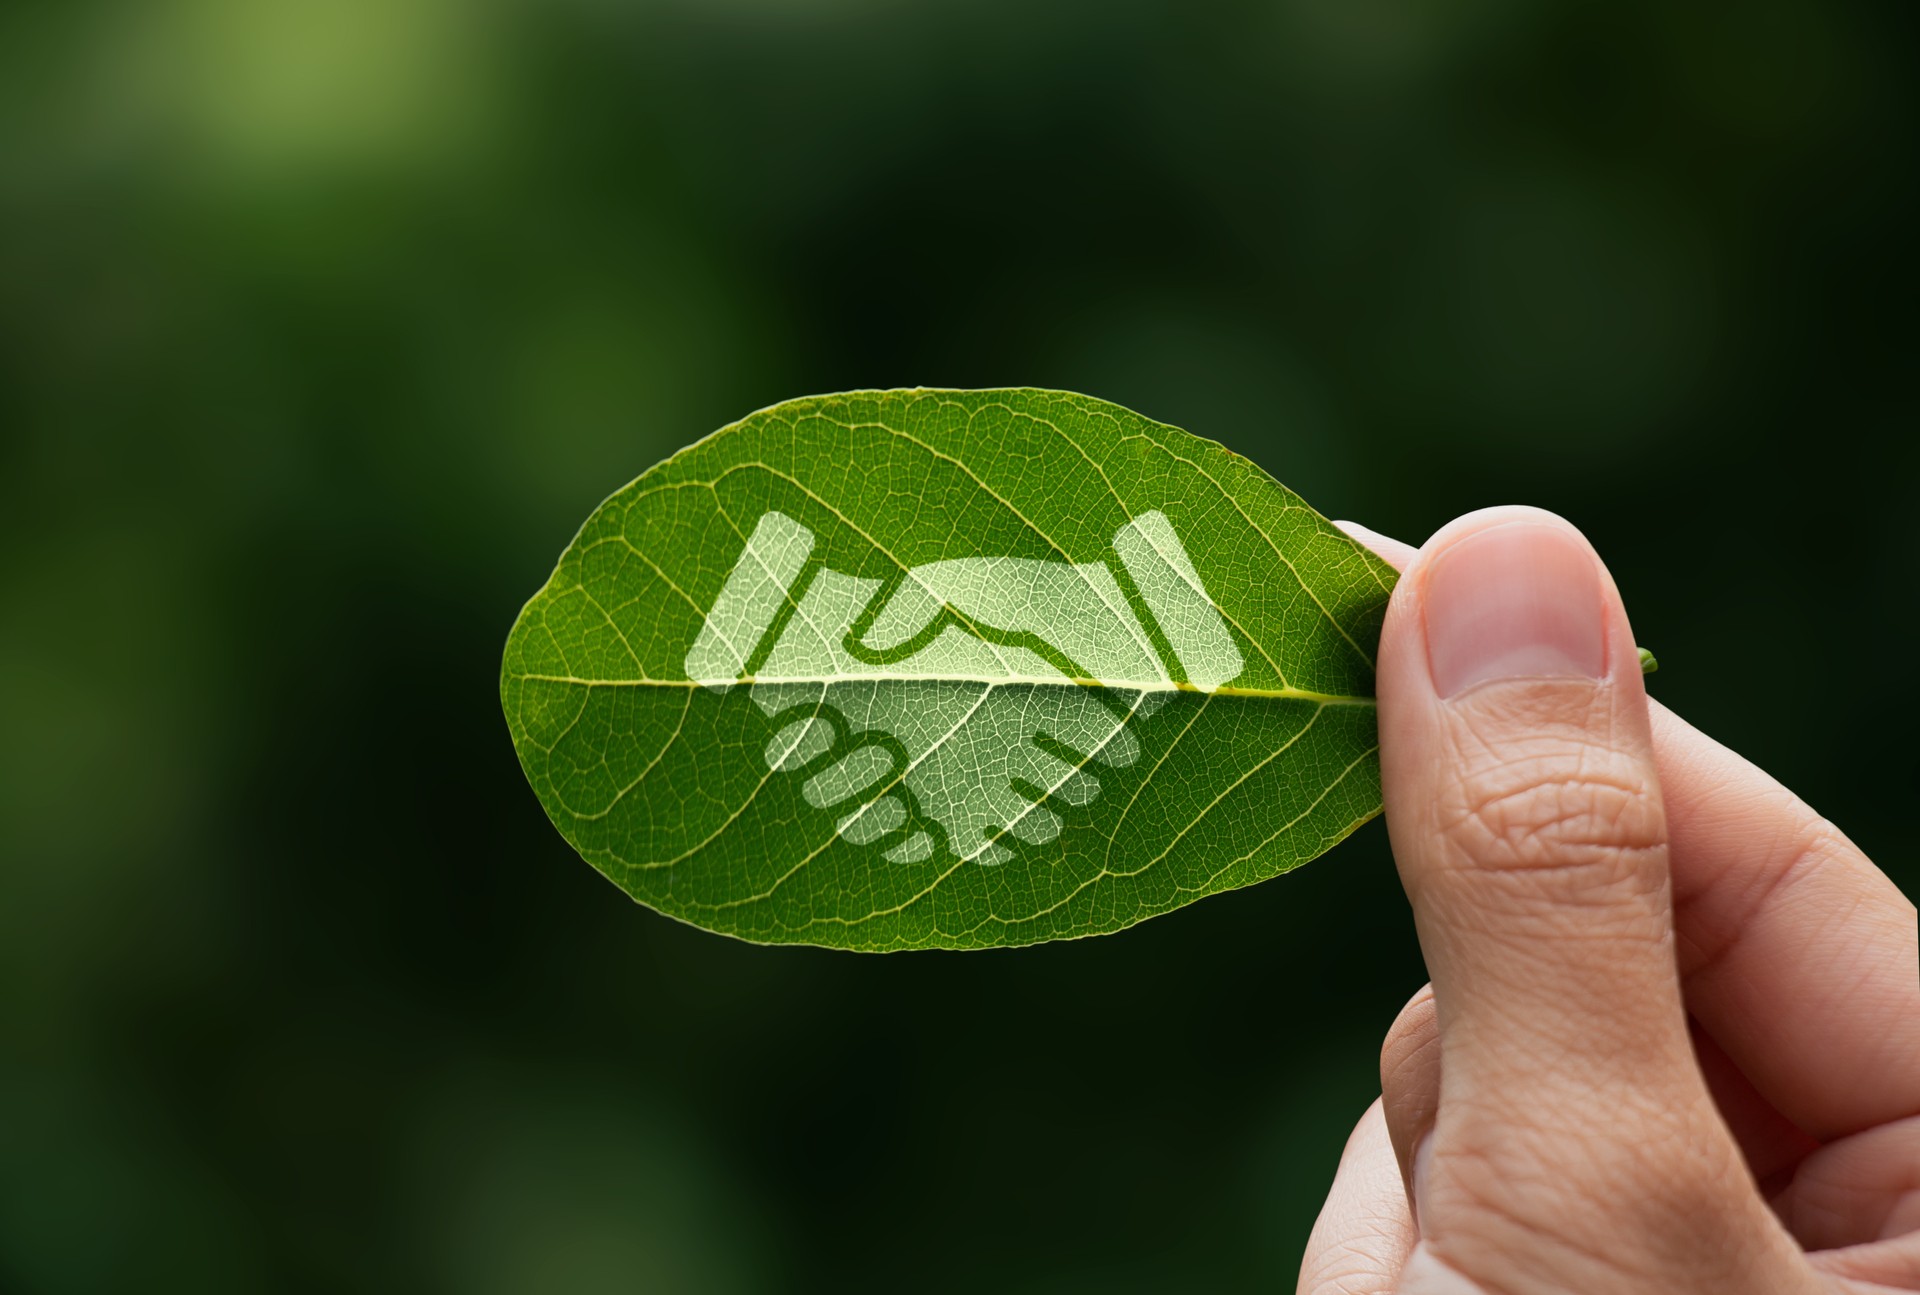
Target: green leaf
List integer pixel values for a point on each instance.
(954, 669)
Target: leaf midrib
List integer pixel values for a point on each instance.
(992, 681)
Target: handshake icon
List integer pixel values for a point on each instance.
(933, 731)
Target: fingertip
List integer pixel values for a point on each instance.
(1520, 599)
(1469, 524)
(1509, 591)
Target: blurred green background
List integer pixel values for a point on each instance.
(323, 324)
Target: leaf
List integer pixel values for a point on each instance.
(956, 669)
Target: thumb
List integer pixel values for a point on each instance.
(1526, 820)
(1522, 799)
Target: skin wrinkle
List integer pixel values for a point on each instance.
(1852, 1191)
(1465, 1250)
(1883, 1269)
(1523, 809)
(1417, 1082)
(1549, 807)
(1566, 1060)
(1664, 1182)
(1538, 829)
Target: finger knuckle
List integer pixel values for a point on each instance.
(1605, 1203)
(1557, 799)
(1813, 847)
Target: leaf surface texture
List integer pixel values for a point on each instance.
(955, 669)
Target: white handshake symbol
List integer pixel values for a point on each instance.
(981, 735)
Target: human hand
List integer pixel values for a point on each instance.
(1673, 1037)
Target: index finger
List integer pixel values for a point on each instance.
(1364, 1232)
(1797, 955)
